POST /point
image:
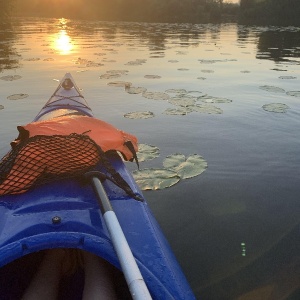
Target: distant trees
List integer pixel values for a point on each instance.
(192, 11)
(5, 9)
(270, 12)
(277, 12)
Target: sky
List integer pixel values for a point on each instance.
(232, 1)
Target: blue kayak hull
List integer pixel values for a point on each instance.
(28, 224)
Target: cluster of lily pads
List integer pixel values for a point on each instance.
(184, 102)
(278, 107)
(176, 167)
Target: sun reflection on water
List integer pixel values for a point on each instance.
(63, 43)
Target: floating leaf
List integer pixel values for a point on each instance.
(270, 88)
(94, 64)
(182, 101)
(147, 152)
(156, 95)
(11, 77)
(109, 76)
(194, 93)
(211, 99)
(294, 93)
(135, 90)
(275, 107)
(201, 78)
(176, 91)
(155, 179)
(1, 107)
(189, 167)
(121, 72)
(173, 61)
(207, 109)
(152, 76)
(183, 69)
(182, 111)
(207, 61)
(139, 115)
(32, 59)
(17, 96)
(287, 77)
(136, 62)
(119, 83)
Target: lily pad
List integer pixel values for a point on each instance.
(119, 83)
(155, 179)
(121, 72)
(176, 91)
(273, 89)
(211, 99)
(207, 109)
(135, 90)
(194, 93)
(152, 76)
(287, 77)
(156, 95)
(11, 77)
(180, 111)
(276, 107)
(294, 93)
(147, 152)
(110, 76)
(136, 62)
(17, 96)
(207, 71)
(139, 115)
(32, 59)
(189, 167)
(182, 101)
(94, 64)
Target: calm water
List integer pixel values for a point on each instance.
(235, 228)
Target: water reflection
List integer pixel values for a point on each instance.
(63, 43)
(9, 58)
(280, 46)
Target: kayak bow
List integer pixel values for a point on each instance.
(65, 214)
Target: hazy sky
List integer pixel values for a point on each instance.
(232, 1)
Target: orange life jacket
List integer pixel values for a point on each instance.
(103, 134)
(59, 148)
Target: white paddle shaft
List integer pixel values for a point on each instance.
(133, 276)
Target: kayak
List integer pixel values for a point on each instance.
(65, 214)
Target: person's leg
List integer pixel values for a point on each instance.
(45, 283)
(98, 281)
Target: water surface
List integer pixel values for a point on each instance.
(234, 228)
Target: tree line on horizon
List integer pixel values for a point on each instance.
(270, 12)
(258, 12)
